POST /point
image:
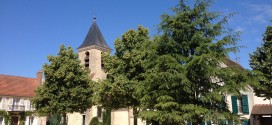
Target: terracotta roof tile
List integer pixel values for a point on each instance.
(229, 62)
(262, 109)
(17, 86)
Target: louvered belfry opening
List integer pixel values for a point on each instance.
(87, 60)
(102, 62)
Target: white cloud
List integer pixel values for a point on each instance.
(261, 13)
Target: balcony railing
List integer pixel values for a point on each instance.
(16, 108)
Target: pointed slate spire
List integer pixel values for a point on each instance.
(94, 37)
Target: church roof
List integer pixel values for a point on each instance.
(94, 37)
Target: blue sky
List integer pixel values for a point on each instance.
(30, 30)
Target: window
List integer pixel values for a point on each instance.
(102, 62)
(87, 56)
(83, 119)
(16, 101)
(22, 102)
(3, 102)
(15, 104)
(10, 101)
(1, 121)
(31, 120)
(99, 111)
(28, 105)
(240, 105)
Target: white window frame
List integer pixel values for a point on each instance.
(3, 103)
(22, 102)
(28, 105)
(239, 105)
(10, 101)
(1, 99)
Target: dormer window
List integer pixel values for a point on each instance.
(86, 60)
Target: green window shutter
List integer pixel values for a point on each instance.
(245, 104)
(223, 122)
(234, 105)
(230, 122)
(189, 123)
(245, 122)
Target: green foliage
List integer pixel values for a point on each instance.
(261, 63)
(177, 77)
(23, 116)
(184, 80)
(55, 119)
(95, 121)
(124, 69)
(67, 87)
(107, 117)
(7, 117)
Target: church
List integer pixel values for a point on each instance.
(254, 110)
(89, 53)
(251, 108)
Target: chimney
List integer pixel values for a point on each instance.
(39, 77)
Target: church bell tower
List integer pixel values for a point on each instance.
(90, 52)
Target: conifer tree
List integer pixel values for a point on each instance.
(185, 81)
(67, 87)
(261, 63)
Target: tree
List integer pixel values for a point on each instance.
(184, 81)
(67, 87)
(261, 63)
(124, 70)
(95, 121)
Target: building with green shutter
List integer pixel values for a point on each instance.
(253, 110)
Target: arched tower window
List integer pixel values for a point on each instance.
(87, 55)
(102, 63)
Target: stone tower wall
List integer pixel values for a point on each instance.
(96, 74)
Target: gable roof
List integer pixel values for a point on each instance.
(262, 109)
(17, 86)
(94, 37)
(229, 62)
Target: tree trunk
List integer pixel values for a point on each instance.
(64, 119)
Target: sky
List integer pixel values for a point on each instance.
(30, 30)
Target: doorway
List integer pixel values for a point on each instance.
(14, 120)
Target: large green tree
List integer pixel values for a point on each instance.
(261, 63)
(67, 87)
(124, 70)
(184, 80)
